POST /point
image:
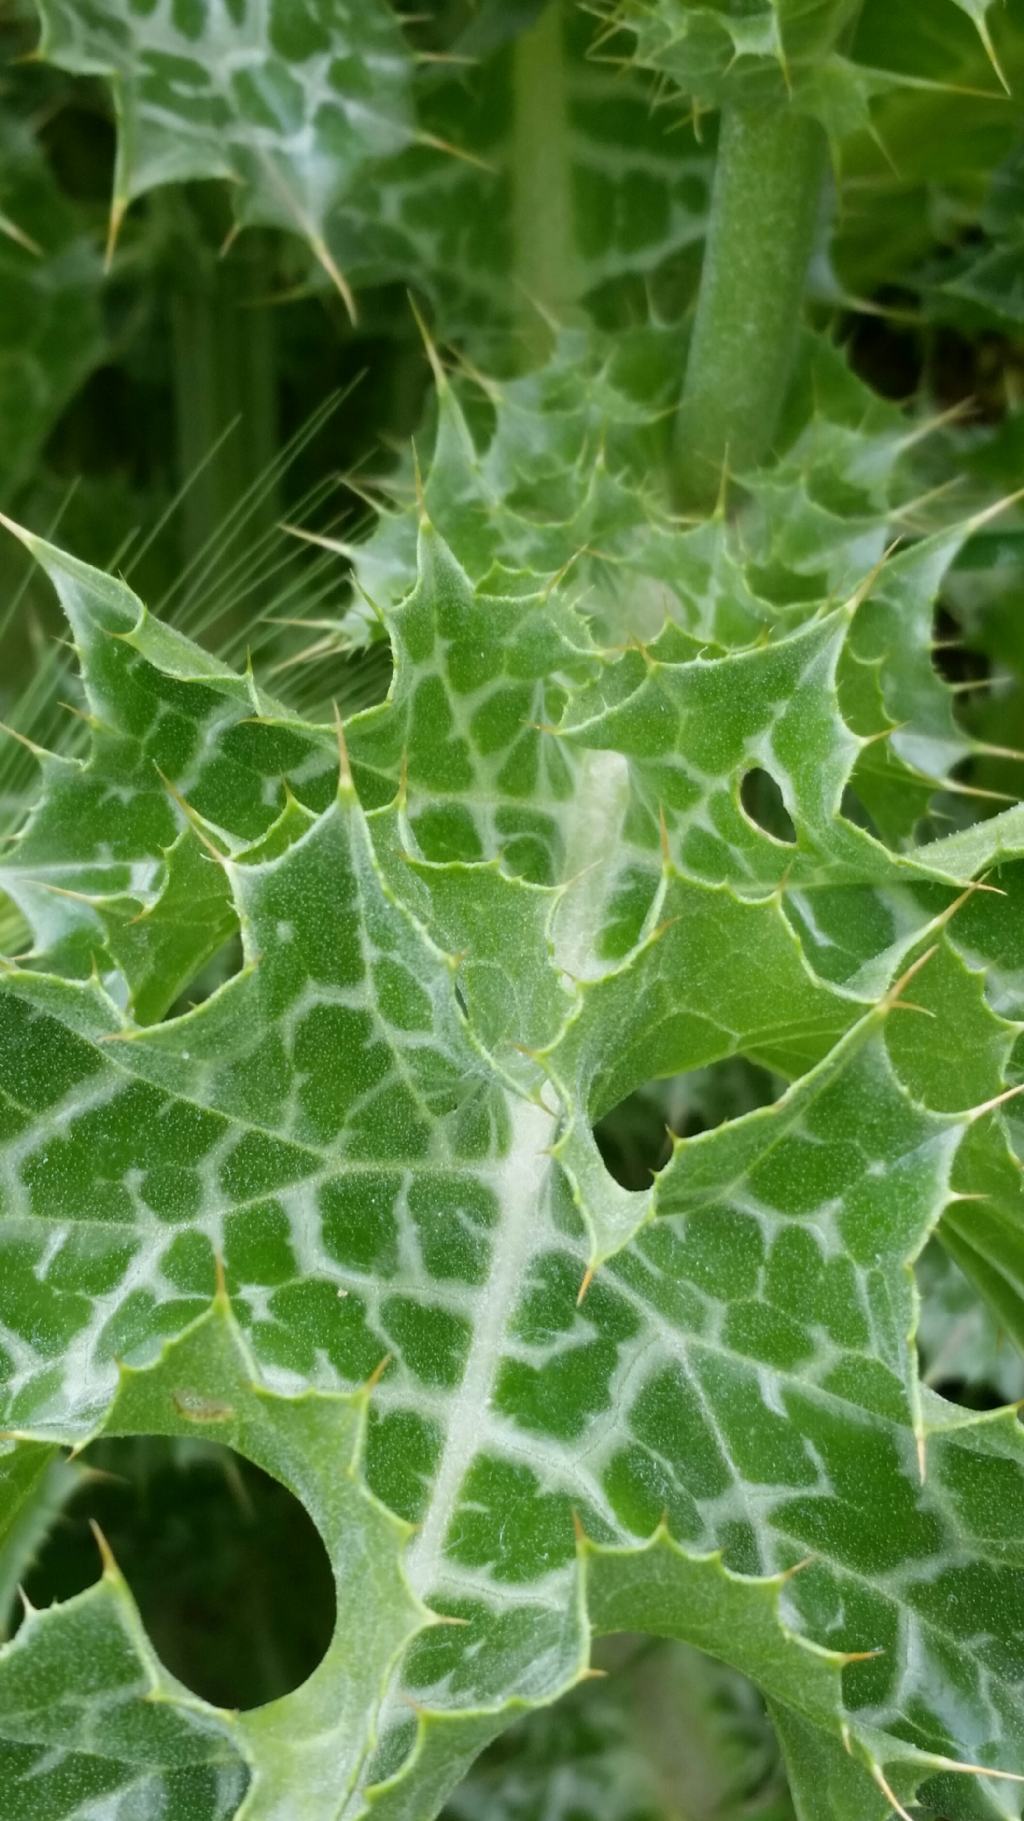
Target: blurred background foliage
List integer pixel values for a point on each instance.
(177, 398)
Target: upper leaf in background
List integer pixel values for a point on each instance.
(311, 114)
(632, 188)
(290, 102)
(808, 52)
(916, 185)
(721, 50)
(566, 465)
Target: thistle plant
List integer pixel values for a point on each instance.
(676, 799)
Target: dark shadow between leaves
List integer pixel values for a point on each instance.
(227, 1568)
(220, 968)
(764, 805)
(634, 1138)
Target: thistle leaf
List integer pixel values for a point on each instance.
(50, 277)
(392, 1156)
(808, 53)
(289, 104)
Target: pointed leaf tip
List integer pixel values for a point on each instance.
(23, 535)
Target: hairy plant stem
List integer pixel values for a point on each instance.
(767, 189)
(542, 201)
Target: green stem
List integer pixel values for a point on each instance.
(223, 369)
(197, 412)
(542, 201)
(764, 210)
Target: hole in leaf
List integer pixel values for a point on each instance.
(79, 145)
(662, 1716)
(853, 810)
(220, 967)
(763, 802)
(883, 352)
(963, 1352)
(952, 658)
(963, 771)
(968, 1393)
(633, 1138)
(226, 1566)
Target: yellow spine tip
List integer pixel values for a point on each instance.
(110, 1568)
(894, 996)
(990, 1106)
(879, 1776)
(344, 768)
(118, 209)
(378, 1373)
